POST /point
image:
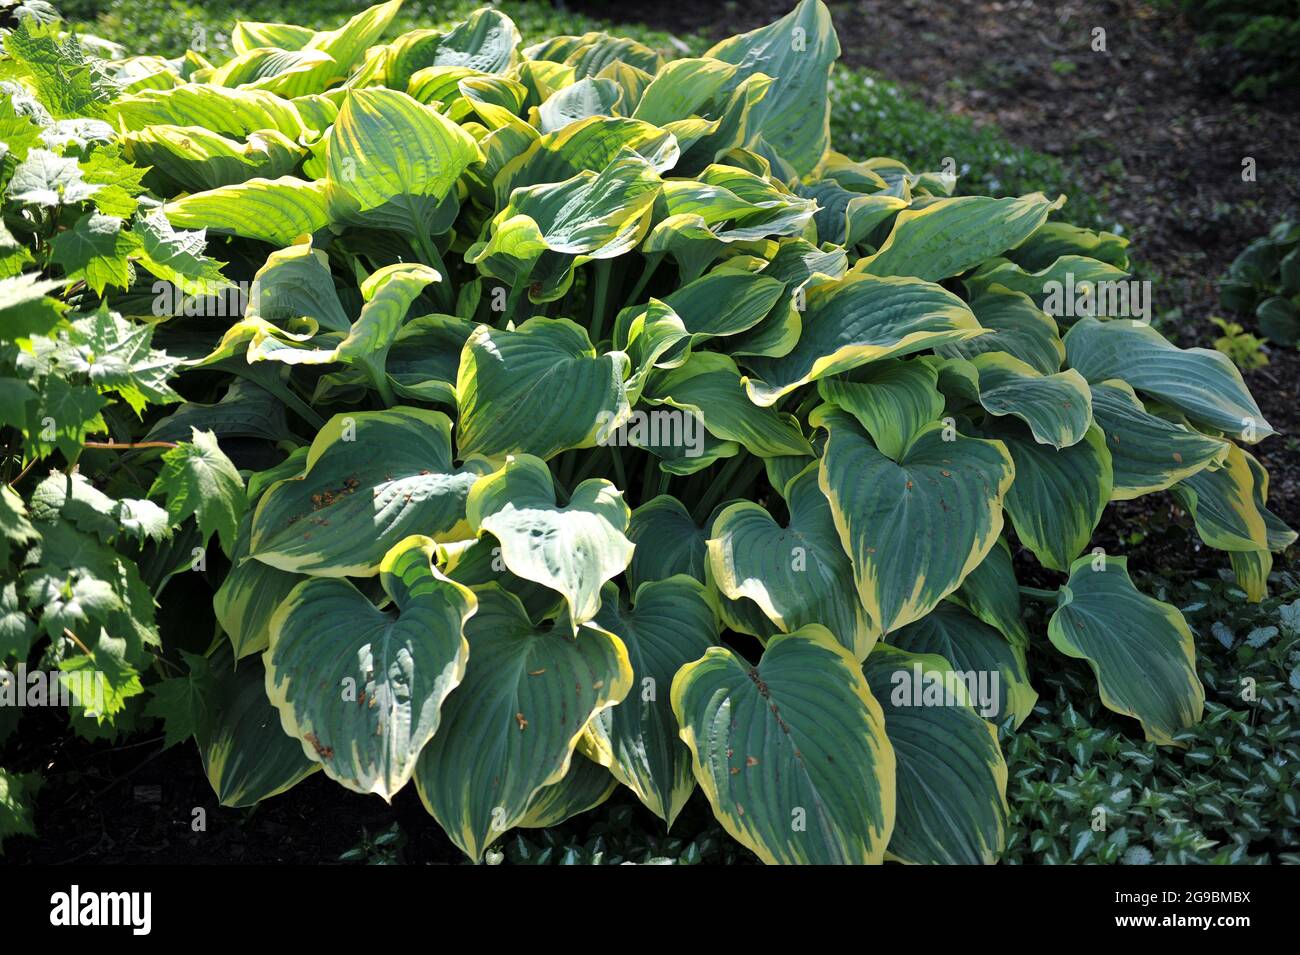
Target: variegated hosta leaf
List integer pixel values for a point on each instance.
(1016, 326)
(1057, 407)
(511, 726)
(681, 88)
(667, 542)
(439, 87)
(948, 236)
(587, 146)
(1048, 288)
(680, 451)
(297, 283)
(298, 341)
(278, 211)
(225, 112)
(346, 46)
(798, 260)
(362, 687)
(1202, 383)
(649, 333)
(1252, 566)
(1277, 533)
(424, 358)
(283, 72)
(1148, 453)
(661, 334)
(781, 471)
(861, 319)
(709, 386)
(248, 35)
(739, 614)
(593, 52)
(586, 98)
(669, 625)
(584, 787)
(246, 754)
(1057, 498)
(845, 217)
(725, 301)
(994, 668)
(1055, 239)
(572, 549)
(388, 295)
(881, 172)
(798, 51)
(791, 753)
(371, 479)
(798, 574)
(318, 112)
(485, 42)
(916, 527)
(892, 399)
(194, 159)
(477, 561)
(1223, 504)
(797, 263)
(539, 236)
(992, 593)
(632, 82)
(542, 77)
(392, 161)
(134, 74)
(498, 101)
(870, 176)
(1140, 649)
(697, 219)
(952, 779)
(249, 596)
(538, 389)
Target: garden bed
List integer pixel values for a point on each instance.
(1043, 112)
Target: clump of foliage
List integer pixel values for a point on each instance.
(497, 294)
(1258, 39)
(1081, 791)
(1245, 350)
(91, 526)
(385, 848)
(1264, 281)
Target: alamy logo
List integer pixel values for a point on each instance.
(75, 907)
(920, 687)
(38, 688)
(1126, 298)
(657, 428)
(170, 300)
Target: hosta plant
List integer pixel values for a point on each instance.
(1264, 280)
(636, 437)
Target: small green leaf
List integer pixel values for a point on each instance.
(199, 479)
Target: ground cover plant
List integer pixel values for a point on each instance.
(600, 425)
(1264, 283)
(1256, 38)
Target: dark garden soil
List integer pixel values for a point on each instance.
(136, 803)
(1144, 126)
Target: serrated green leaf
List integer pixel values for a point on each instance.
(198, 479)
